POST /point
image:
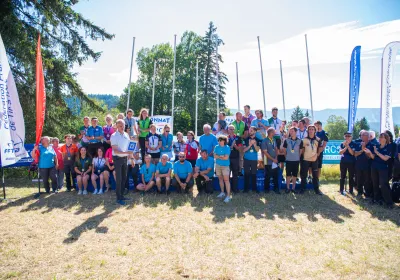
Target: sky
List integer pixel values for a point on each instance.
(333, 29)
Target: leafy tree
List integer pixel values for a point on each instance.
(108, 99)
(336, 126)
(297, 114)
(360, 125)
(64, 36)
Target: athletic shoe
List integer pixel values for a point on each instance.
(227, 199)
(221, 195)
(318, 192)
(84, 192)
(343, 193)
(121, 202)
(100, 191)
(79, 192)
(95, 191)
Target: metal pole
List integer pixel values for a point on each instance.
(309, 78)
(130, 75)
(154, 88)
(283, 91)
(262, 73)
(4, 185)
(173, 88)
(197, 96)
(217, 81)
(237, 85)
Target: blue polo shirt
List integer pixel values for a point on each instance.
(163, 169)
(205, 164)
(182, 170)
(252, 153)
(362, 159)
(377, 162)
(166, 141)
(46, 158)
(208, 142)
(346, 156)
(261, 132)
(222, 151)
(96, 132)
(147, 171)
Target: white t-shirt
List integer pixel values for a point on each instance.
(98, 163)
(120, 140)
(302, 134)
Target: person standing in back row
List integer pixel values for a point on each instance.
(311, 150)
(235, 143)
(270, 149)
(251, 148)
(95, 135)
(241, 131)
(323, 136)
(144, 123)
(347, 162)
(261, 124)
(130, 123)
(208, 141)
(119, 143)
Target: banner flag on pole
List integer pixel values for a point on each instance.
(354, 87)
(388, 64)
(40, 94)
(12, 125)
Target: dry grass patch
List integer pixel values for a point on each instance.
(64, 236)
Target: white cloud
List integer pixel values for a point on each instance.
(328, 47)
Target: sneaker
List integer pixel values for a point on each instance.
(343, 193)
(95, 191)
(227, 199)
(100, 191)
(221, 195)
(121, 202)
(79, 192)
(318, 192)
(84, 192)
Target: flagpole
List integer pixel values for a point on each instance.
(197, 96)
(237, 85)
(262, 74)
(154, 88)
(4, 185)
(283, 91)
(217, 81)
(130, 75)
(173, 88)
(309, 78)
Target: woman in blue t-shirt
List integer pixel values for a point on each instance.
(347, 161)
(147, 171)
(379, 171)
(47, 163)
(221, 154)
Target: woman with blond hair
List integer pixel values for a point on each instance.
(166, 139)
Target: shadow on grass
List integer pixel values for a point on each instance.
(260, 206)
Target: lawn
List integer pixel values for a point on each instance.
(271, 236)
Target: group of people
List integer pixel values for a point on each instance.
(370, 165)
(248, 143)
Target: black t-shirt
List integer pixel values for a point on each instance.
(238, 141)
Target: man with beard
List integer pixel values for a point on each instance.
(183, 180)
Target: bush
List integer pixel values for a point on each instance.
(330, 172)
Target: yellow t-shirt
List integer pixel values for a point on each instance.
(311, 148)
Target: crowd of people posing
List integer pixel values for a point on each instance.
(225, 151)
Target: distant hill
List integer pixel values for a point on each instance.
(371, 114)
(108, 99)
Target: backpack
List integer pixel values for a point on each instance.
(396, 191)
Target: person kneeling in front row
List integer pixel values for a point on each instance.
(163, 173)
(204, 173)
(182, 180)
(148, 171)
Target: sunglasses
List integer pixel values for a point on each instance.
(181, 156)
(231, 129)
(348, 136)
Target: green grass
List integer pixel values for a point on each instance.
(306, 236)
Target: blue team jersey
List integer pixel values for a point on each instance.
(205, 164)
(222, 151)
(166, 143)
(147, 172)
(377, 162)
(95, 132)
(362, 159)
(346, 156)
(182, 169)
(163, 169)
(261, 132)
(208, 142)
(251, 154)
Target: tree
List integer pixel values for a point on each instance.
(64, 35)
(336, 126)
(360, 125)
(297, 114)
(307, 114)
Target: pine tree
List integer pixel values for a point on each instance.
(360, 125)
(297, 114)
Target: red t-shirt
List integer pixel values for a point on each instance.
(109, 155)
(191, 150)
(59, 158)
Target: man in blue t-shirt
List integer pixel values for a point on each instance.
(208, 141)
(347, 161)
(163, 174)
(251, 146)
(204, 173)
(261, 124)
(95, 136)
(182, 180)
